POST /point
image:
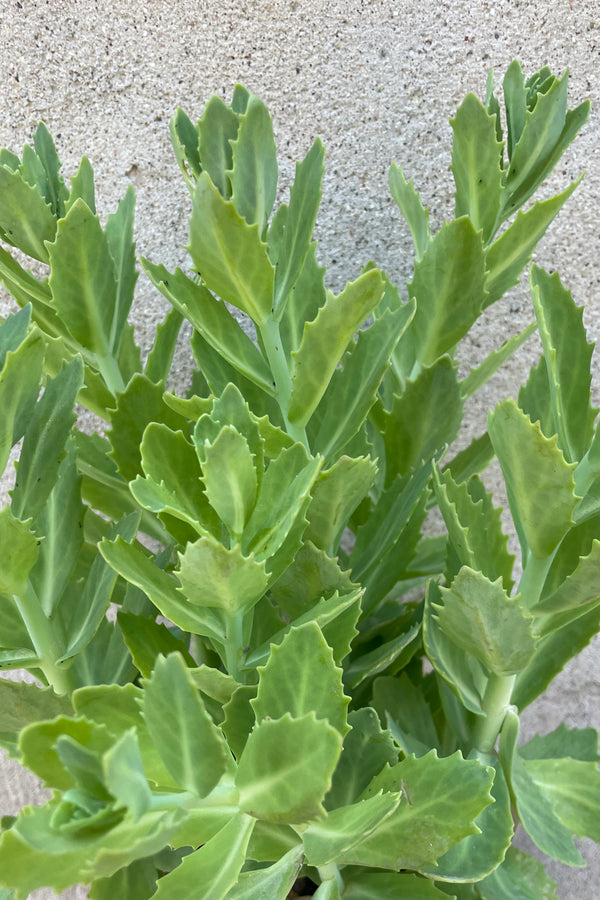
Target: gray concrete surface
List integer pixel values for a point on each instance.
(377, 81)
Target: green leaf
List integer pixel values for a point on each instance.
(539, 482)
(82, 186)
(141, 403)
(211, 318)
(210, 872)
(39, 752)
(239, 718)
(568, 357)
(146, 639)
(449, 287)
(463, 672)
(478, 616)
(82, 279)
(43, 446)
(552, 654)
(305, 298)
(124, 775)
(286, 768)
(364, 884)
(305, 195)
(160, 358)
(572, 787)
(301, 677)
(335, 495)
(55, 189)
(519, 877)
(477, 166)
(478, 376)
(346, 826)
(131, 563)
(61, 524)
(515, 101)
(367, 748)
(271, 883)
(190, 744)
(411, 207)
(19, 552)
(13, 331)
(83, 619)
(510, 253)
(26, 219)
(531, 802)
(230, 479)
(22, 704)
(212, 576)
(440, 800)
(253, 174)
(353, 388)
(119, 239)
(372, 663)
(422, 419)
(19, 387)
(229, 253)
(404, 707)
(136, 880)
(215, 131)
(572, 597)
(472, 460)
(325, 339)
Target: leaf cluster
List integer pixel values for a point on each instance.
(255, 662)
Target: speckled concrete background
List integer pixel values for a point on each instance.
(377, 81)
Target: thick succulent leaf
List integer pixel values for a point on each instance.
(552, 654)
(440, 800)
(365, 884)
(82, 279)
(82, 187)
(213, 576)
(367, 665)
(124, 775)
(422, 419)
(211, 871)
(43, 446)
(137, 568)
(449, 287)
(478, 376)
(229, 253)
(404, 707)
(67, 859)
(335, 495)
(539, 482)
(13, 331)
(474, 526)
(572, 597)
(509, 254)
(577, 743)
(230, 479)
(463, 672)
(191, 746)
(184, 140)
(519, 877)
(39, 752)
(61, 524)
(253, 174)
(367, 749)
(572, 787)
(478, 616)
(325, 339)
(472, 460)
(353, 387)
(286, 768)
(22, 704)
(301, 677)
(568, 355)
(304, 300)
(212, 151)
(160, 358)
(19, 387)
(26, 219)
(239, 718)
(411, 207)
(211, 318)
(55, 190)
(300, 217)
(141, 403)
(19, 552)
(146, 639)
(135, 880)
(477, 855)
(477, 166)
(515, 101)
(533, 805)
(119, 238)
(269, 883)
(346, 826)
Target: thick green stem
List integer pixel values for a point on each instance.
(330, 872)
(109, 369)
(496, 701)
(44, 640)
(271, 339)
(234, 647)
(533, 578)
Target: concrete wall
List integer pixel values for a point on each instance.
(377, 81)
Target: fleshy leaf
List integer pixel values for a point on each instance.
(346, 826)
(367, 749)
(411, 207)
(286, 768)
(519, 877)
(253, 173)
(270, 883)
(212, 576)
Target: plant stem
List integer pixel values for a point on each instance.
(533, 578)
(44, 641)
(271, 339)
(234, 647)
(330, 872)
(496, 701)
(109, 369)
